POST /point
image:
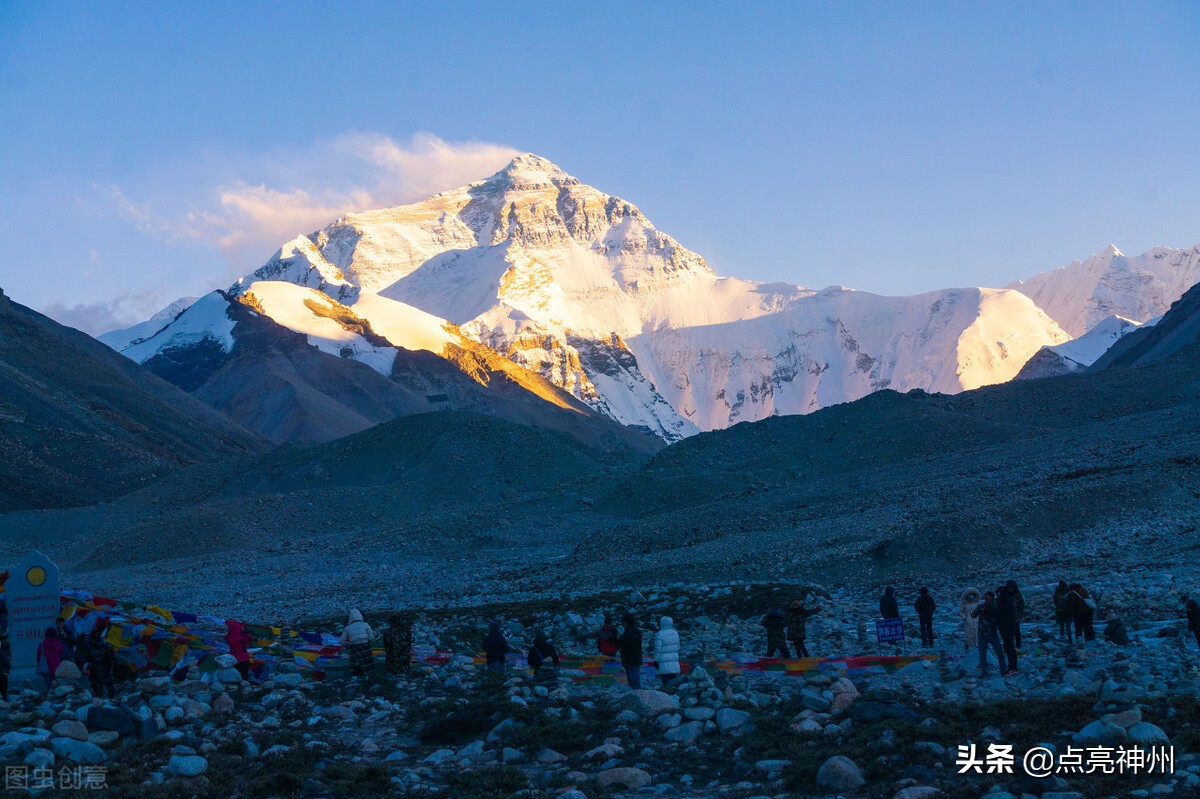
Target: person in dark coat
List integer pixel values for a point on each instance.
(1062, 610)
(988, 633)
(542, 656)
(1114, 630)
(1019, 601)
(81, 650)
(630, 645)
(102, 665)
(1083, 612)
(5, 667)
(1192, 609)
(797, 627)
(776, 630)
(606, 637)
(889, 608)
(1007, 621)
(398, 644)
(925, 607)
(495, 647)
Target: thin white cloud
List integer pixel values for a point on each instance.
(248, 205)
(95, 318)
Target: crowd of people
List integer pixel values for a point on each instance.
(991, 624)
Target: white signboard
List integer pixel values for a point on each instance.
(33, 604)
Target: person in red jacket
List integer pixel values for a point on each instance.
(238, 639)
(606, 638)
(49, 655)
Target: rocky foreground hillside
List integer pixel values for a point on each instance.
(454, 730)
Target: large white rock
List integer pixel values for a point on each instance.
(78, 751)
(648, 702)
(628, 778)
(840, 773)
(187, 765)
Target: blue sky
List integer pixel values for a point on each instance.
(153, 150)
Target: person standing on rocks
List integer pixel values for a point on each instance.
(101, 664)
(1083, 612)
(925, 607)
(989, 635)
(606, 638)
(1062, 610)
(398, 644)
(630, 642)
(1008, 622)
(495, 647)
(5, 667)
(49, 655)
(797, 626)
(966, 606)
(357, 636)
(776, 627)
(1192, 609)
(666, 650)
(1114, 629)
(1019, 600)
(889, 608)
(540, 654)
(237, 637)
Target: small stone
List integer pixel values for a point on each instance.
(67, 670)
(1148, 734)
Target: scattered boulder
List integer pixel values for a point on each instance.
(630, 779)
(840, 773)
(648, 702)
(187, 765)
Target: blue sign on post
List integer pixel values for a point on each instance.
(889, 631)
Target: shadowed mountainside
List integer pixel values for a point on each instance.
(81, 424)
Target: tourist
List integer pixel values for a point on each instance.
(966, 606)
(666, 651)
(630, 642)
(101, 665)
(1007, 622)
(541, 652)
(5, 667)
(989, 635)
(49, 655)
(1192, 610)
(495, 647)
(398, 644)
(357, 636)
(1083, 612)
(1019, 601)
(1114, 629)
(889, 608)
(776, 628)
(606, 637)
(797, 627)
(66, 637)
(925, 607)
(1062, 610)
(238, 638)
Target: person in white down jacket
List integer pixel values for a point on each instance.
(357, 637)
(666, 650)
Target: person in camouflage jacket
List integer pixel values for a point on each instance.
(398, 644)
(797, 627)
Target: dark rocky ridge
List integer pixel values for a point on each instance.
(80, 424)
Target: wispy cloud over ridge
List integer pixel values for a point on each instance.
(248, 205)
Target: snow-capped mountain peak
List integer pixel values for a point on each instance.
(579, 287)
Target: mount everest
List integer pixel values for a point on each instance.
(581, 303)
